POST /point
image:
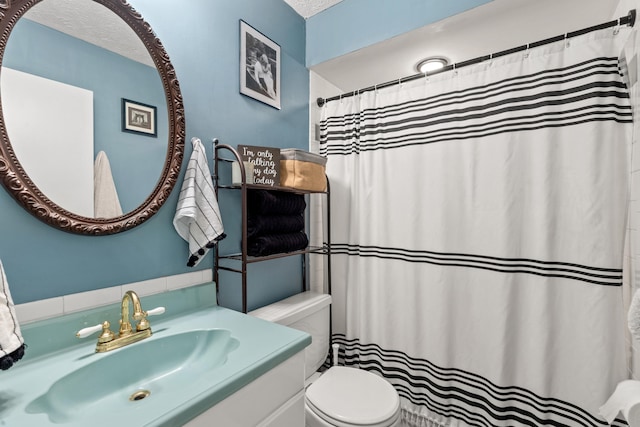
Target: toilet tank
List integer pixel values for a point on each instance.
(308, 312)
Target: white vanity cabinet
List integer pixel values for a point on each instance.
(275, 399)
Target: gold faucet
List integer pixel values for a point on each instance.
(108, 340)
(138, 314)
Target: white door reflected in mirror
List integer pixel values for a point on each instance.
(50, 126)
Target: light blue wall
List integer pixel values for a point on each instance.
(202, 39)
(353, 24)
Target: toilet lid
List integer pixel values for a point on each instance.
(353, 396)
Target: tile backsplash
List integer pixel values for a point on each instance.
(58, 306)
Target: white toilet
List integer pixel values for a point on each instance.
(340, 396)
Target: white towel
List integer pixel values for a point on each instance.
(633, 316)
(625, 399)
(11, 342)
(105, 197)
(197, 219)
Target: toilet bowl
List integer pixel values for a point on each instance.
(340, 396)
(347, 397)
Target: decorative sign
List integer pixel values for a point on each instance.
(266, 163)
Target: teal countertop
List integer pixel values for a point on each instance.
(53, 351)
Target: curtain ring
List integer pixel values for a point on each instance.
(526, 52)
(616, 29)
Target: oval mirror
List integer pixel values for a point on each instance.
(92, 124)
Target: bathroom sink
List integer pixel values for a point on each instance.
(120, 379)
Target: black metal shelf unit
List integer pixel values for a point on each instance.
(243, 258)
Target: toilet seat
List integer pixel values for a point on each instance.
(347, 397)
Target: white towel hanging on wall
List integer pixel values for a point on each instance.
(11, 341)
(106, 203)
(197, 219)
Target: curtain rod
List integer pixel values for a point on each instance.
(629, 20)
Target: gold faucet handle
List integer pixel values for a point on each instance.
(106, 335)
(143, 324)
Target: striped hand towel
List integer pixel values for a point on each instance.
(197, 219)
(11, 342)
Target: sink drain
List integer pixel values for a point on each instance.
(139, 395)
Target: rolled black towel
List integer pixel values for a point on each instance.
(7, 361)
(269, 202)
(264, 225)
(277, 244)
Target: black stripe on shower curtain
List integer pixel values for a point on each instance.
(451, 392)
(556, 269)
(424, 121)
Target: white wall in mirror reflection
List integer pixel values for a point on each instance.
(51, 131)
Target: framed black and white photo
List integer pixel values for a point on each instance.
(259, 66)
(139, 118)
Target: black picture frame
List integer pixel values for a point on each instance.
(259, 66)
(139, 118)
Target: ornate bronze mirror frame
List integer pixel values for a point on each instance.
(26, 193)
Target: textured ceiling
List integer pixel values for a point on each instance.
(307, 8)
(93, 23)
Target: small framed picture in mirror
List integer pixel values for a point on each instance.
(259, 66)
(139, 118)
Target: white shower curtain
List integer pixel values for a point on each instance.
(478, 221)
